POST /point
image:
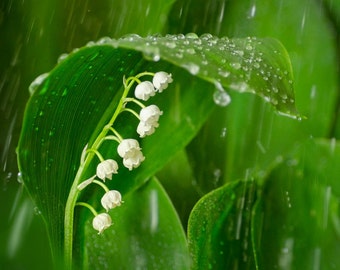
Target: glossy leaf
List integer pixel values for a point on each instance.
(146, 234)
(68, 109)
(76, 100)
(249, 137)
(296, 221)
(259, 66)
(219, 228)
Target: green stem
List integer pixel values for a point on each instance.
(140, 104)
(74, 192)
(96, 152)
(101, 184)
(131, 111)
(94, 212)
(116, 134)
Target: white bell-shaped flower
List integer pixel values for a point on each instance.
(135, 161)
(127, 148)
(106, 168)
(161, 80)
(131, 153)
(145, 90)
(145, 129)
(149, 117)
(111, 199)
(150, 114)
(101, 222)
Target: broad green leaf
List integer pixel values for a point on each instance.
(259, 66)
(310, 41)
(76, 100)
(296, 220)
(219, 228)
(249, 137)
(147, 234)
(64, 113)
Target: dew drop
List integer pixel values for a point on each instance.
(240, 86)
(179, 55)
(223, 132)
(19, 178)
(191, 51)
(221, 97)
(37, 211)
(62, 57)
(90, 44)
(104, 40)
(192, 68)
(191, 35)
(170, 44)
(224, 73)
(236, 65)
(206, 36)
(249, 47)
(37, 82)
(274, 101)
(152, 53)
(240, 53)
(131, 37)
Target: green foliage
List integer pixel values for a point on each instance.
(146, 234)
(299, 208)
(219, 228)
(261, 188)
(67, 112)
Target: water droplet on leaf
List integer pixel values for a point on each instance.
(19, 178)
(37, 82)
(192, 68)
(221, 97)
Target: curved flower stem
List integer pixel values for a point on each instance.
(94, 212)
(96, 152)
(140, 104)
(131, 111)
(119, 138)
(74, 192)
(102, 185)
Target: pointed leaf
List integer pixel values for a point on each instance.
(219, 227)
(146, 234)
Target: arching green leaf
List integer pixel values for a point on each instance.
(219, 228)
(76, 100)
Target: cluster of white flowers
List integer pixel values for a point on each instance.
(147, 89)
(149, 115)
(128, 149)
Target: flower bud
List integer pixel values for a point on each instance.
(161, 80)
(106, 168)
(101, 222)
(111, 199)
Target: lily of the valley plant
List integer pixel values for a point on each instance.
(128, 148)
